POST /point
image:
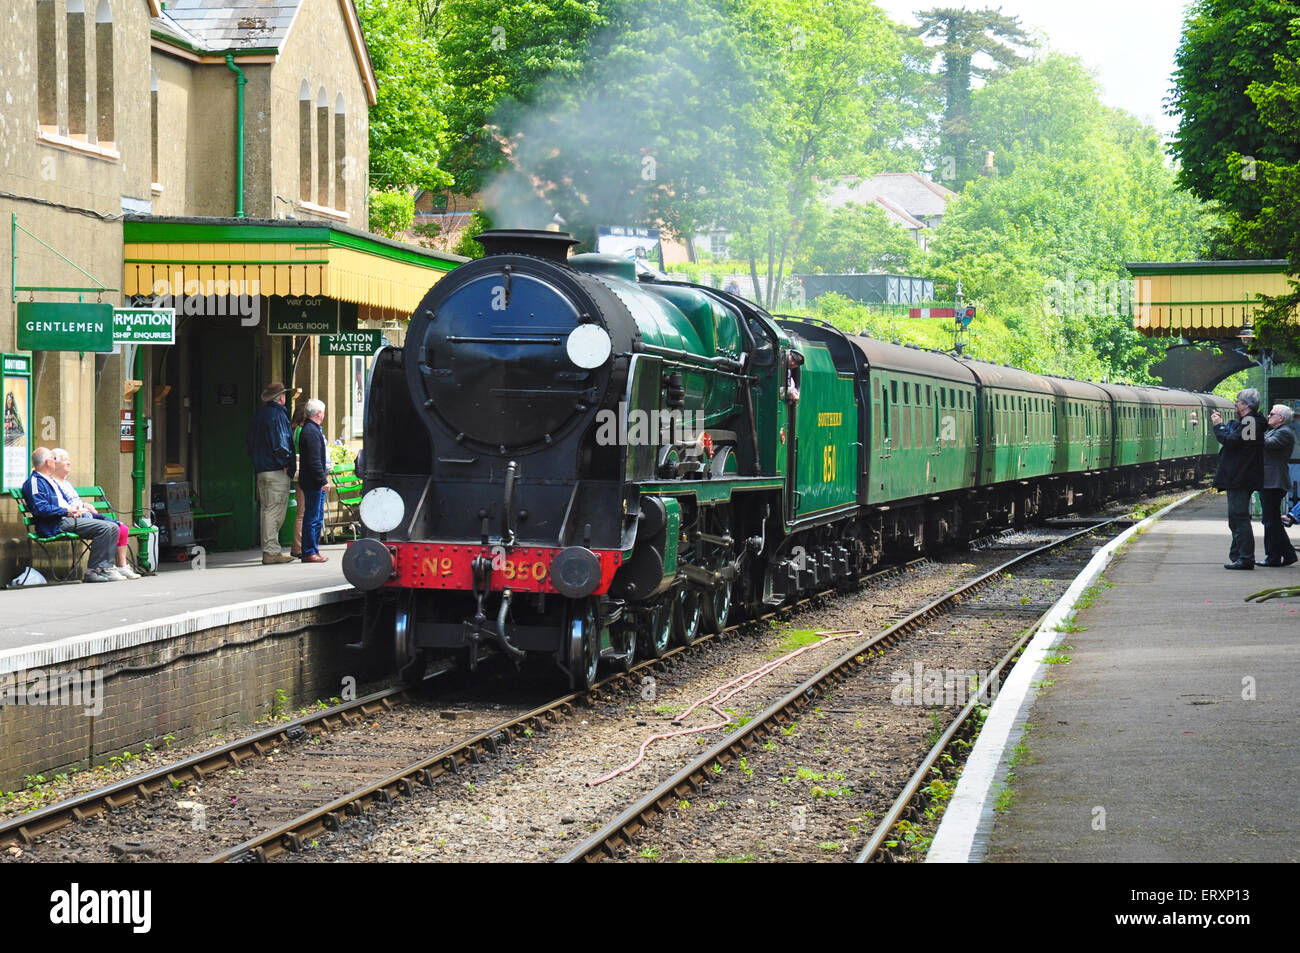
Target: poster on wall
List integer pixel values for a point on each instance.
(16, 386)
(358, 395)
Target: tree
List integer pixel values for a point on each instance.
(1043, 245)
(837, 96)
(856, 239)
(1228, 45)
(1277, 225)
(963, 35)
(408, 133)
(498, 58)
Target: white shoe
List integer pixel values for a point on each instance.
(126, 572)
(110, 573)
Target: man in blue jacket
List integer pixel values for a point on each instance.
(313, 479)
(270, 444)
(55, 513)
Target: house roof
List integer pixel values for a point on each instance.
(916, 195)
(229, 26)
(897, 214)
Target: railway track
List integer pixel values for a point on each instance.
(618, 838)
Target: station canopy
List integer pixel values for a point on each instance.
(1201, 300)
(185, 256)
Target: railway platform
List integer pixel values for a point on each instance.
(1159, 726)
(177, 598)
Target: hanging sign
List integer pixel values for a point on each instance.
(144, 326)
(302, 316)
(364, 343)
(16, 385)
(56, 326)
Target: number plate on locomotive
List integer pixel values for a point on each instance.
(448, 566)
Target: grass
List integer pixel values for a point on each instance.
(797, 639)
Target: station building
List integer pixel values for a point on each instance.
(205, 157)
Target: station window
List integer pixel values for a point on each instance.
(104, 118)
(340, 154)
(47, 56)
(323, 148)
(77, 68)
(304, 141)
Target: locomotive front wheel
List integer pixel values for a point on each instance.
(655, 642)
(584, 645)
(687, 615)
(410, 661)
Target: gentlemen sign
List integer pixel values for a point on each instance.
(353, 342)
(52, 326)
(144, 326)
(303, 316)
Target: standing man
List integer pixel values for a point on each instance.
(313, 479)
(55, 514)
(1279, 441)
(270, 444)
(1241, 472)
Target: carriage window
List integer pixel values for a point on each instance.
(907, 396)
(893, 390)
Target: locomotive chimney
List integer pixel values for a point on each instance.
(540, 243)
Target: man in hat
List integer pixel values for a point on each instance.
(270, 444)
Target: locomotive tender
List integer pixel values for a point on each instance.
(565, 461)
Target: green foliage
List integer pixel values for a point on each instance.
(856, 239)
(408, 133)
(1228, 47)
(391, 211)
(466, 245)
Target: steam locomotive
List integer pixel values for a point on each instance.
(566, 461)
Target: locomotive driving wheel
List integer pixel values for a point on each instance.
(716, 602)
(584, 644)
(687, 614)
(655, 641)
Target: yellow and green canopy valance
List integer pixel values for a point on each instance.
(1202, 299)
(171, 256)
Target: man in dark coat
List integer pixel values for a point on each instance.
(1241, 472)
(1279, 441)
(270, 444)
(313, 477)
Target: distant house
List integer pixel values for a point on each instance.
(910, 199)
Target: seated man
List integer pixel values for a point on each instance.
(55, 513)
(62, 470)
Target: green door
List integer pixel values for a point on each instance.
(225, 399)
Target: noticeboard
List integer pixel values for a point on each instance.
(144, 325)
(364, 343)
(16, 385)
(302, 315)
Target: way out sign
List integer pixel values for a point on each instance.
(144, 326)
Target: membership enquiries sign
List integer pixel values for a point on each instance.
(144, 326)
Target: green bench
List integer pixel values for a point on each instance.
(90, 495)
(344, 515)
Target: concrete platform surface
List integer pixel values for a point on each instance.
(40, 615)
(1170, 735)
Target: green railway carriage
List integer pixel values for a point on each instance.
(1082, 426)
(1182, 425)
(1136, 415)
(823, 438)
(1017, 411)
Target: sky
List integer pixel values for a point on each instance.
(1129, 44)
